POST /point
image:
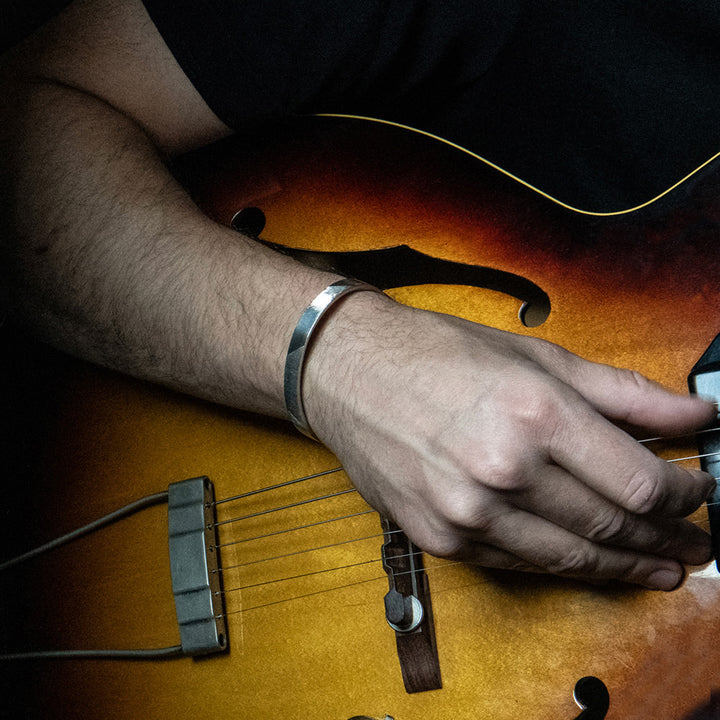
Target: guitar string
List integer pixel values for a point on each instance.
(354, 490)
(314, 573)
(331, 569)
(229, 613)
(334, 545)
(304, 552)
(347, 491)
(665, 438)
(436, 565)
(340, 468)
(375, 560)
(693, 457)
(175, 650)
(278, 486)
(268, 511)
(300, 576)
(328, 546)
(432, 568)
(294, 529)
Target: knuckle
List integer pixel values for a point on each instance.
(613, 526)
(633, 386)
(634, 379)
(447, 545)
(506, 477)
(642, 492)
(468, 513)
(538, 409)
(630, 379)
(529, 397)
(553, 355)
(664, 544)
(489, 556)
(580, 561)
(542, 417)
(501, 473)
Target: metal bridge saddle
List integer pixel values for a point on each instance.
(408, 610)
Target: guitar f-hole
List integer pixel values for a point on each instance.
(403, 266)
(590, 694)
(592, 697)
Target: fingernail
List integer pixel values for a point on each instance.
(712, 485)
(701, 553)
(666, 578)
(696, 554)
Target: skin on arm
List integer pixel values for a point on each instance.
(108, 258)
(482, 445)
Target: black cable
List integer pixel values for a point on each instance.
(123, 512)
(139, 654)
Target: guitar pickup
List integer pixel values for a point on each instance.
(704, 379)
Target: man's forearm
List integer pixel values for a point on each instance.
(108, 258)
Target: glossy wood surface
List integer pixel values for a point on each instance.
(640, 290)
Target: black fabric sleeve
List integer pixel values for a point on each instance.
(600, 104)
(252, 61)
(22, 17)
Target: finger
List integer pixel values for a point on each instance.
(487, 556)
(560, 499)
(619, 468)
(560, 552)
(627, 396)
(490, 556)
(606, 458)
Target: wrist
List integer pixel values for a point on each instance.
(308, 325)
(339, 362)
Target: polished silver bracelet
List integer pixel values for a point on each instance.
(300, 342)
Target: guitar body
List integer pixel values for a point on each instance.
(639, 290)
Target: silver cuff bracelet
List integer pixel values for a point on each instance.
(300, 342)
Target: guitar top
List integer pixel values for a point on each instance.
(304, 585)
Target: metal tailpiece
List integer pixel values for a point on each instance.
(194, 566)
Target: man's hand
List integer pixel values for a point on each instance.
(503, 450)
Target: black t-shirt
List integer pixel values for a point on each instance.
(603, 104)
(22, 17)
